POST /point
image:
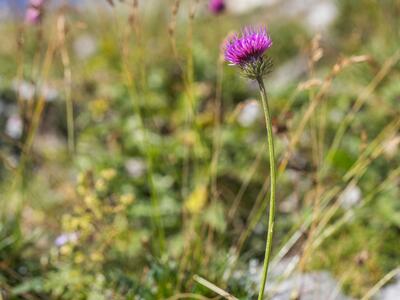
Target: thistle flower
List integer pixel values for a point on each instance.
(32, 15)
(247, 51)
(34, 12)
(216, 6)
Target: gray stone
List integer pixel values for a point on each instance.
(308, 286)
(390, 291)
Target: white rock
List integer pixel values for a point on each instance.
(85, 46)
(24, 89)
(135, 167)
(316, 14)
(249, 113)
(390, 291)
(241, 6)
(350, 197)
(289, 72)
(321, 16)
(309, 286)
(14, 127)
(49, 93)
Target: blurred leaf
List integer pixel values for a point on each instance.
(389, 209)
(215, 217)
(30, 285)
(342, 159)
(196, 201)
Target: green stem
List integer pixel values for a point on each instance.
(272, 166)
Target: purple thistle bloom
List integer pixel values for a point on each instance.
(249, 47)
(216, 6)
(247, 52)
(34, 12)
(32, 15)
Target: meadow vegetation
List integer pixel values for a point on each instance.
(134, 162)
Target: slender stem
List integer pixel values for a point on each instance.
(272, 166)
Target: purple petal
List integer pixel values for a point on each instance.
(250, 45)
(32, 15)
(216, 6)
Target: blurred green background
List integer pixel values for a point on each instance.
(134, 162)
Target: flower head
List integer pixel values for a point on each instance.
(216, 6)
(34, 12)
(32, 15)
(247, 51)
(250, 46)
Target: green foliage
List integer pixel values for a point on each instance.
(146, 200)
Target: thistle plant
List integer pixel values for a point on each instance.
(34, 12)
(216, 6)
(247, 51)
